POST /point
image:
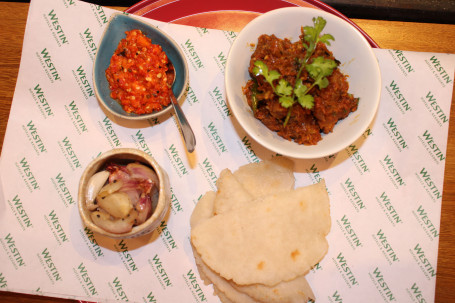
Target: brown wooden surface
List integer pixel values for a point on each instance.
(394, 35)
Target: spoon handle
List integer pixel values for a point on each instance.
(187, 132)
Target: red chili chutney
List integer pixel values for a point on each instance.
(137, 74)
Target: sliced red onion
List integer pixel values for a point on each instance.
(126, 200)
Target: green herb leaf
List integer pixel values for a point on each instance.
(319, 69)
(306, 101)
(312, 36)
(320, 65)
(284, 88)
(286, 101)
(300, 89)
(326, 38)
(260, 68)
(322, 82)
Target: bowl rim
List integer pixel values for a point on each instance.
(304, 152)
(162, 206)
(98, 94)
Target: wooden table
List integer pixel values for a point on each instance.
(394, 35)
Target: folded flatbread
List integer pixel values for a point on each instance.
(273, 239)
(297, 290)
(252, 181)
(266, 177)
(230, 193)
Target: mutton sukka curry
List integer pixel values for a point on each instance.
(297, 89)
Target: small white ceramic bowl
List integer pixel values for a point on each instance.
(350, 48)
(119, 23)
(124, 156)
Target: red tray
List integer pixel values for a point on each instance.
(230, 15)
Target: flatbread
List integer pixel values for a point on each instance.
(203, 209)
(201, 212)
(222, 284)
(230, 193)
(252, 181)
(267, 177)
(273, 239)
(294, 291)
(221, 295)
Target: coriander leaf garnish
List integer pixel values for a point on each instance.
(318, 69)
(306, 101)
(287, 101)
(312, 35)
(260, 68)
(284, 88)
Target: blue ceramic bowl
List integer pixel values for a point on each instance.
(114, 32)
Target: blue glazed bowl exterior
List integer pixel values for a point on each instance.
(114, 32)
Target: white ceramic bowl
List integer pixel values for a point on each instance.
(350, 48)
(126, 155)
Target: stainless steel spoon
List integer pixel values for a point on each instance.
(187, 132)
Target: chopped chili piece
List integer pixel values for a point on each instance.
(138, 68)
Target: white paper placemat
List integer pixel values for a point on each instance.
(385, 188)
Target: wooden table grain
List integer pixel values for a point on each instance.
(422, 37)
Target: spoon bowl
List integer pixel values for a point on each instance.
(185, 127)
